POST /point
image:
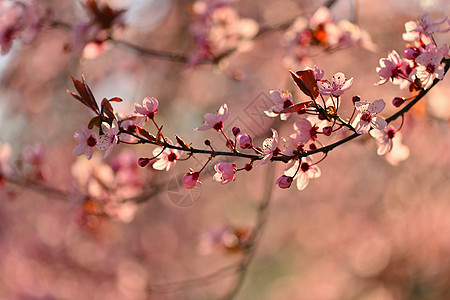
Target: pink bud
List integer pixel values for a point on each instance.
(327, 130)
(143, 161)
(245, 141)
(284, 182)
(397, 102)
(236, 131)
(190, 179)
(225, 172)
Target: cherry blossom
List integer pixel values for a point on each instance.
(244, 140)
(5, 167)
(395, 69)
(305, 131)
(282, 100)
(423, 27)
(303, 174)
(166, 157)
(399, 152)
(336, 86)
(190, 179)
(149, 107)
(87, 140)
(110, 138)
(215, 121)
(384, 139)
(429, 65)
(225, 172)
(129, 123)
(270, 148)
(284, 181)
(366, 116)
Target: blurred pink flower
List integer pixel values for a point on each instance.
(149, 107)
(87, 140)
(423, 27)
(5, 167)
(336, 86)
(366, 116)
(215, 121)
(225, 172)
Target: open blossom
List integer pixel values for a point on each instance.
(395, 69)
(110, 137)
(306, 172)
(423, 27)
(270, 148)
(429, 65)
(225, 172)
(282, 100)
(336, 86)
(215, 121)
(87, 140)
(129, 124)
(167, 158)
(149, 107)
(305, 131)
(190, 179)
(390, 144)
(366, 116)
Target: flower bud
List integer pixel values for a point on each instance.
(236, 131)
(245, 141)
(397, 102)
(284, 181)
(190, 179)
(356, 99)
(327, 130)
(143, 161)
(248, 167)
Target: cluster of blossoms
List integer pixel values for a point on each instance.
(217, 28)
(317, 119)
(320, 30)
(422, 60)
(18, 19)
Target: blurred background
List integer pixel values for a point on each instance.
(364, 230)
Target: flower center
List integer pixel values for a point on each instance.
(91, 141)
(391, 133)
(287, 103)
(304, 167)
(366, 117)
(172, 157)
(218, 126)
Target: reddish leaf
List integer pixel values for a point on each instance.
(306, 81)
(107, 109)
(95, 121)
(115, 99)
(182, 143)
(146, 134)
(85, 94)
(296, 107)
(159, 137)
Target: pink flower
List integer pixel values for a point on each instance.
(215, 120)
(336, 86)
(394, 68)
(306, 172)
(305, 131)
(87, 140)
(366, 116)
(282, 100)
(5, 167)
(284, 181)
(226, 172)
(167, 158)
(270, 148)
(429, 65)
(416, 30)
(190, 179)
(244, 140)
(149, 107)
(110, 137)
(384, 139)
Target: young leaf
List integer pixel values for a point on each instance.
(296, 107)
(306, 81)
(182, 143)
(146, 134)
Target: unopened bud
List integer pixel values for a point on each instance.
(356, 99)
(397, 102)
(143, 161)
(236, 130)
(327, 130)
